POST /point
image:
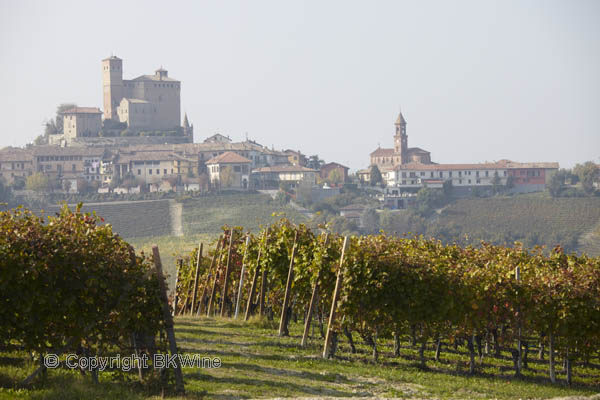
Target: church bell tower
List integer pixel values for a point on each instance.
(401, 140)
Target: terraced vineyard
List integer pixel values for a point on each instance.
(131, 218)
(533, 220)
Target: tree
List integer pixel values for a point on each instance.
(335, 177)
(58, 122)
(227, 176)
(315, 162)
(586, 173)
(5, 193)
(369, 220)
(375, 176)
(557, 183)
(38, 182)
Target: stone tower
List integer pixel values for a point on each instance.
(401, 139)
(112, 82)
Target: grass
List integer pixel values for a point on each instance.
(170, 248)
(208, 214)
(256, 363)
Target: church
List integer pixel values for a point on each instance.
(389, 159)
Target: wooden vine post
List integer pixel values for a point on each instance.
(254, 281)
(226, 282)
(209, 275)
(198, 261)
(336, 295)
(263, 284)
(179, 385)
(313, 300)
(175, 296)
(519, 363)
(283, 331)
(239, 294)
(211, 301)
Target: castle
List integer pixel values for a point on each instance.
(146, 102)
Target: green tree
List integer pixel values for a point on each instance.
(586, 173)
(557, 183)
(375, 176)
(369, 220)
(38, 182)
(315, 162)
(335, 177)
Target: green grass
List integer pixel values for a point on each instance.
(208, 214)
(256, 363)
(532, 219)
(170, 248)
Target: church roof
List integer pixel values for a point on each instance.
(412, 150)
(382, 152)
(112, 58)
(400, 120)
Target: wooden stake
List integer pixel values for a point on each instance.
(311, 305)
(179, 385)
(209, 311)
(288, 291)
(263, 283)
(226, 283)
(209, 275)
(336, 294)
(175, 296)
(198, 260)
(239, 295)
(253, 287)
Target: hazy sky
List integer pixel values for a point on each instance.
(476, 80)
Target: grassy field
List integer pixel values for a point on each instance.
(256, 363)
(208, 214)
(527, 218)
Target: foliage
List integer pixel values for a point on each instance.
(376, 177)
(68, 283)
(391, 284)
(38, 182)
(226, 176)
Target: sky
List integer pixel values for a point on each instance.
(475, 80)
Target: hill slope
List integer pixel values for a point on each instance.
(531, 220)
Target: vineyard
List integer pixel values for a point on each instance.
(494, 300)
(209, 213)
(531, 220)
(375, 315)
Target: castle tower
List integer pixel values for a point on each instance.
(112, 83)
(401, 139)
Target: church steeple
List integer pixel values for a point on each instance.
(401, 140)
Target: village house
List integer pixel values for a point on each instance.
(329, 168)
(15, 166)
(229, 170)
(271, 177)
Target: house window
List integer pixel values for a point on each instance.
(460, 181)
(431, 174)
(150, 171)
(459, 173)
(478, 180)
(469, 181)
(139, 171)
(477, 173)
(73, 167)
(450, 174)
(441, 174)
(157, 171)
(165, 171)
(487, 173)
(237, 168)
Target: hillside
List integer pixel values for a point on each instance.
(130, 218)
(529, 219)
(206, 215)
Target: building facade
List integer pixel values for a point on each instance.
(145, 102)
(229, 170)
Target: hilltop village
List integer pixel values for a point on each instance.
(138, 143)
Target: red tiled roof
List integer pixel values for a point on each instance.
(334, 163)
(229, 157)
(82, 110)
